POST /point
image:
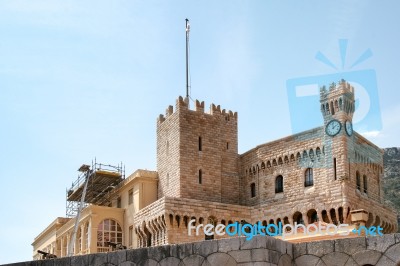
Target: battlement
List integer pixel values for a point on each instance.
(338, 98)
(182, 105)
(342, 87)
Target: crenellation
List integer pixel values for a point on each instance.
(160, 119)
(215, 109)
(169, 111)
(200, 106)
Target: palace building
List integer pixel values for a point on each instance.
(328, 174)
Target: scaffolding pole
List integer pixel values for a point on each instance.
(78, 215)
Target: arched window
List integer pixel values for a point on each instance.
(312, 216)
(365, 181)
(311, 154)
(279, 184)
(318, 152)
(298, 218)
(298, 157)
(309, 179)
(325, 217)
(305, 156)
(340, 211)
(253, 190)
(108, 231)
(358, 181)
(186, 220)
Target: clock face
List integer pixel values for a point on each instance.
(349, 128)
(333, 127)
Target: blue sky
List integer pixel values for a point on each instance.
(86, 79)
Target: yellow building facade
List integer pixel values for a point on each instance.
(99, 225)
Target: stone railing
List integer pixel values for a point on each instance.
(103, 249)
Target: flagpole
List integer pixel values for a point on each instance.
(187, 57)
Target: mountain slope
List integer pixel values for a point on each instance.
(391, 177)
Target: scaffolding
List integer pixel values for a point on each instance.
(102, 179)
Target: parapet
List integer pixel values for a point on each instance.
(342, 87)
(182, 104)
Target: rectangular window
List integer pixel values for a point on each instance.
(200, 176)
(253, 190)
(200, 144)
(334, 168)
(365, 184)
(130, 196)
(279, 184)
(309, 178)
(130, 237)
(119, 202)
(227, 145)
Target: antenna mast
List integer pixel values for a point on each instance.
(187, 57)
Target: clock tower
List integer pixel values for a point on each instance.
(337, 102)
(337, 107)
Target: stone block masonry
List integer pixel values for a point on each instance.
(261, 250)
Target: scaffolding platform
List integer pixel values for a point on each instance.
(102, 180)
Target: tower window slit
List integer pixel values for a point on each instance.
(200, 144)
(334, 168)
(200, 176)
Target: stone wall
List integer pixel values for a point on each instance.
(383, 250)
(331, 197)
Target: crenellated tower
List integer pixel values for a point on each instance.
(337, 102)
(337, 107)
(197, 153)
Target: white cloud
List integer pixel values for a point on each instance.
(370, 134)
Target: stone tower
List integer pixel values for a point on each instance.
(197, 153)
(337, 107)
(337, 102)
